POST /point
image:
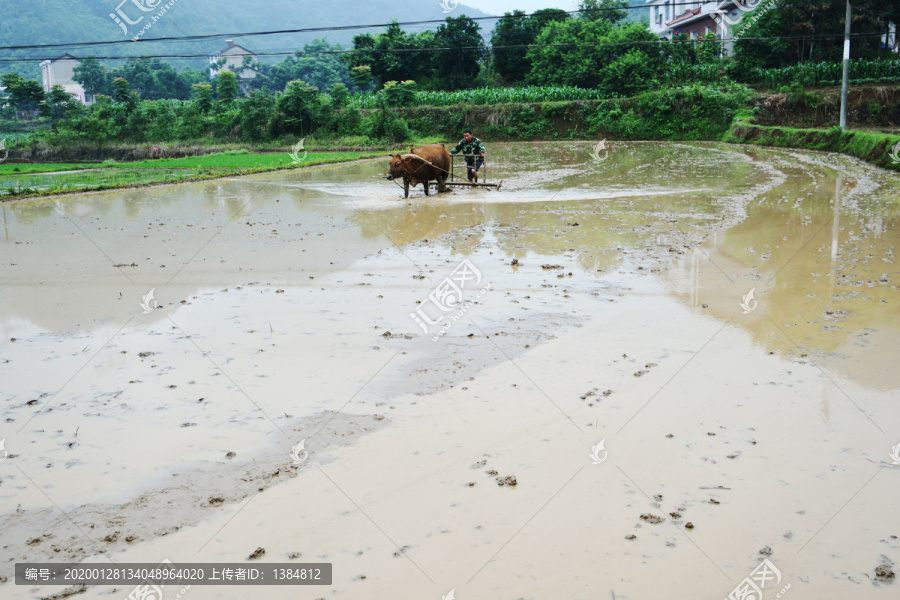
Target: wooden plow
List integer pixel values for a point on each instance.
(463, 183)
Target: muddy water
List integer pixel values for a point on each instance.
(607, 300)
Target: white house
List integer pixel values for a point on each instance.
(889, 40)
(696, 18)
(60, 71)
(234, 61)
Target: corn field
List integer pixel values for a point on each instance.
(809, 74)
(483, 96)
(681, 72)
(825, 73)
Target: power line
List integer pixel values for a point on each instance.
(460, 48)
(316, 29)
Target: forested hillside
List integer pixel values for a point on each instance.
(64, 21)
(638, 14)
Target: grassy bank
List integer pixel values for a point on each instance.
(869, 146)
(868, 107)
(728, 112)
(83, 153)
(697, 112)
(28, 180)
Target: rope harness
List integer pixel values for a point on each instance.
(419, 167)
(426, 162)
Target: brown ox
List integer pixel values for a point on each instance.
(421, 165)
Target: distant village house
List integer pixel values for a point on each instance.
(669, 18)
(234, 61)
(696, 18)
(60, 71)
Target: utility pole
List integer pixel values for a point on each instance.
(846, 78)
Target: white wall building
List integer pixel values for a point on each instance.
(890, 39)
(695, 18)
(60, 71)
(234, 61)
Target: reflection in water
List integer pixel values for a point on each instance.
(814, 235)
(822, 262)
(823, 268)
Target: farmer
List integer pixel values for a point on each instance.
(470, 147)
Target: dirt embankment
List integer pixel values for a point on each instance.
(871, 108)
(872, 147)
(41, 152)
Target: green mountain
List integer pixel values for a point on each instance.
(639, 14)
(68, 21)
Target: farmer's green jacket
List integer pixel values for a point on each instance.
(474, 147)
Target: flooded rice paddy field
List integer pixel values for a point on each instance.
(652, 372)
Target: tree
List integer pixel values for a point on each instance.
(392, 55)
(399, 94)
(154, 79)
(299, 105)
(187, 77)
(340, 96)
(22, 94)
(202, 93)
(59, 103)
(386, 124)
(707, 48)
(680, 49)
(587, 54)
(95, 129)
(511, 36)
(810, 30)
(361, 76)
(629, 74)
(92, 76)
(256, 114)
(313, 65)
(122, 91)
(248, 63)
(511, 30)
(96, 125)
(610, 10)
(458, 67)
(227, 87)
